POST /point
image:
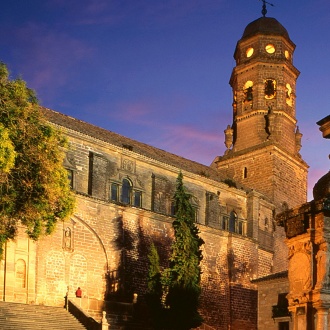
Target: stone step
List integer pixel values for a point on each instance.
(36, 317)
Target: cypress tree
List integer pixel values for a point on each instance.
(184, 271)
(155, 293)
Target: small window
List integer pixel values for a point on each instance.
(137, 200)
(245, 172)
(224, 223)
(249, 52)
(241, 228)
(114, 192)
(126, 192)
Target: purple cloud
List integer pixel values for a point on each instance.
(52, 54)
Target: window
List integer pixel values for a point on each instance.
(241, 228)
(123, 192)
(283, 326)
(114, 192)
(137, 199)
(126, 192)
(248, 91)
(270, 88)
(281, 309)
(224, 223)
(232, 222)
(245, 172)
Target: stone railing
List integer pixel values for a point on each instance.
(85, 319)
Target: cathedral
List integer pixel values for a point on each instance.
(124, 192)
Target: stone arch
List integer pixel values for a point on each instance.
(85, 224)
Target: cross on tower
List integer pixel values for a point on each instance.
(264, 9)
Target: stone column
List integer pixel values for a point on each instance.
(322, 318)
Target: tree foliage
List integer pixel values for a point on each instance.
(181, 281)
(34, 187)
(155, 292)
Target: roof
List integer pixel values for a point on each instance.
(270, 277)
(133, 145)
(265, 25)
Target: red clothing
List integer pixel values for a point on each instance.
(78, 293)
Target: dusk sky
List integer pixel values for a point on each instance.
(158, 71)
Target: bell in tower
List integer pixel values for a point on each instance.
(264, 154)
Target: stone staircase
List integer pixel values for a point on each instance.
(15, 316)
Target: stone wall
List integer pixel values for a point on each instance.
(103, 248)
(271, 291)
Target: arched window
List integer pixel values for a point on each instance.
(126, 191)
(232, 222)
(248, 91)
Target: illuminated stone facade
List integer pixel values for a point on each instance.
(124, 202)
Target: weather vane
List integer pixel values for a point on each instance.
(264, 9)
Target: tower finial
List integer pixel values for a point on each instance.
(264, 9)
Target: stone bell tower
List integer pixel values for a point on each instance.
(263, 141)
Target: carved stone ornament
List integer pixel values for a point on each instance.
(67, 239)
(128, 165)
(322, 271)
(300, 278)
(229, 132)
(295, 226)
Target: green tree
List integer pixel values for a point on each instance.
(184, 272)
(34, 187)
(155, 292)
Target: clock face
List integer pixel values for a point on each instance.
(270, 49)
(249, 52)
(287, 55)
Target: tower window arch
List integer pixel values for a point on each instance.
(270, 88)
(232, 222)
(288, 98)
(248, 91)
